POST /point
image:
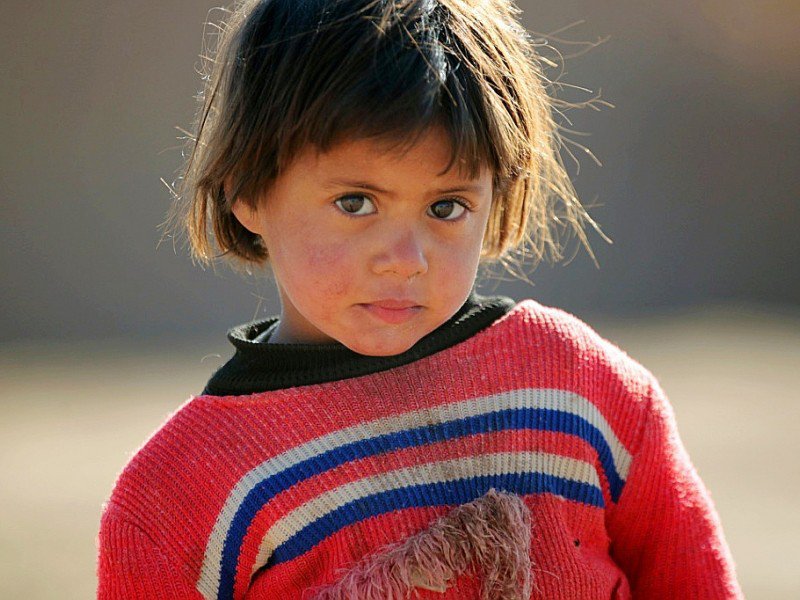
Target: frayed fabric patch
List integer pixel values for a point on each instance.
(490, 537)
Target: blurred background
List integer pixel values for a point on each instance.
(104, 331)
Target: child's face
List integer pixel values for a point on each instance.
(369, 248)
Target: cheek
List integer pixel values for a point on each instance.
(328, 268)
(456, 279)
(462, 255)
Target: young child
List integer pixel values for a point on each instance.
(392, 434)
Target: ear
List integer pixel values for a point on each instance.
(244, 213)
(247, 216)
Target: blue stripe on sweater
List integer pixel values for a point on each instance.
(431, 494)
(541, 419)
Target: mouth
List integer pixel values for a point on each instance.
(393, 312)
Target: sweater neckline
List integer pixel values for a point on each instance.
(258, 366)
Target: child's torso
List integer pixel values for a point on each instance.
(283, 492)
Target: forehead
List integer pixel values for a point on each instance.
(429, 153)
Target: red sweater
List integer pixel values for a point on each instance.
(281, 493)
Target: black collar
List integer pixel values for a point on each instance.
(260, 366)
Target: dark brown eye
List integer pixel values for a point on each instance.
(355, 204)
(447, 210)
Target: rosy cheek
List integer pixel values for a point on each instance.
(331, 268)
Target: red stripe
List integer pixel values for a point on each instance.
(327, 561)
(308, 489)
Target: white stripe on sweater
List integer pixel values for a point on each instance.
(535, 398)
(500, 463)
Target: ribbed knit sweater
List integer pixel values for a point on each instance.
(302, 467)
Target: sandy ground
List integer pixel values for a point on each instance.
(74, 414)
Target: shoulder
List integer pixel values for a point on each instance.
(567, 353)
(164, 445)
(555, 325)
(170, 470)
(189, 464)
(166, 499)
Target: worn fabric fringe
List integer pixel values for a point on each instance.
(490, 535)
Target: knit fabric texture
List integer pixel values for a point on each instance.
(531, 459)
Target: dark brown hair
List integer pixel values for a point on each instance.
(282, 74)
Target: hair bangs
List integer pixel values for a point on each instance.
(402, 81)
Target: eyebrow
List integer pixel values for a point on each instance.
(365, 185)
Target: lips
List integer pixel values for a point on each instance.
(392, 311)
(394, 304)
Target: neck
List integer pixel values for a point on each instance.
(262, 362)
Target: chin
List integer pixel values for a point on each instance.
(381, 348)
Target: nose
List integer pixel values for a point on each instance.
(401, 253)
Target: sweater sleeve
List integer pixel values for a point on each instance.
(665, 532)
(131, 566)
